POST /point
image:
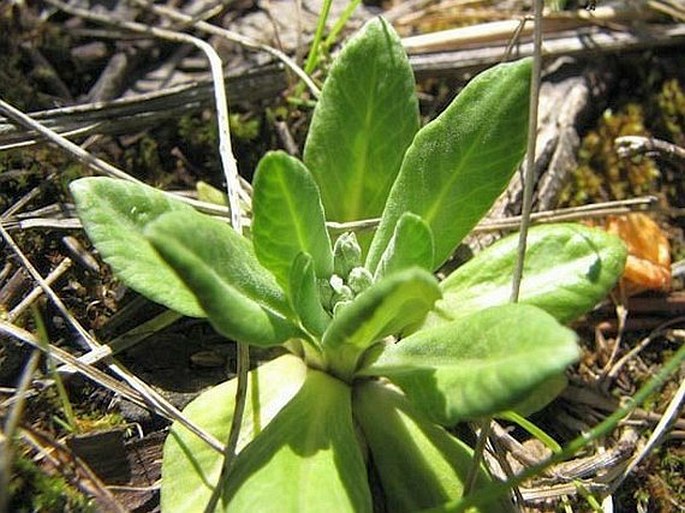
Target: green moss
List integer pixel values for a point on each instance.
(32, 490)
(198, 139)
(601, 175)
(671, 102)
(198, 130)
(97, 421)
(143, 158)
(244, 126)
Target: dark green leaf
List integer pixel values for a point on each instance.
(460, 163)
(304, 295)
(241, 298)
(568, 269)
(306, 460)
(288, 218)
(420, 465)
(114, 214)
(479, 365)
(363, 122)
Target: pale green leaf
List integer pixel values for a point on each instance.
(114, 214)
(288, 217)
(362, 124)
(420, 465)
(479, 365)
(568, 269)
(411, 245)
(385, 308)
(190, 467)
(242, 300)
(307, 460)
(459, 163)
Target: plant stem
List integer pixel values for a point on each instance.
(340, 24)
(525, 217)
(313, 57)
(42, 336)
(530, 151)
(242, 366)
(472, 477)
(534, 430)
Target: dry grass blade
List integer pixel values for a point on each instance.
(132, 337)
(225, 150)
(630, 145)
(500, 31)
(136, 391)
(89, 160)
(11, 424)
(247, 42)
(28, 300)
(67, 359)
(148, 397)
(659, 331)
(143, 110)
(581, 42)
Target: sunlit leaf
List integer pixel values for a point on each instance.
(363, 122)
(411, 245)
(479, 365)
(288, 217)
(241, 298)
(420, 465)
(385, 308)
(114, 214)
(304, 295)
(568, 269)
(190, 467)
(459, 163)
(306, 460)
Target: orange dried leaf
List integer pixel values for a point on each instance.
(649, 254)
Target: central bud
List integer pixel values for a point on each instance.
(350, 277)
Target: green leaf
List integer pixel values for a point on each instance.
(210, 194)
(479, 365)
(541, 396)
(288, 218)
(307, 459)
(114, 214)
(190, 467)
(362, 124)
(568, 269)
(411, 245)
(420, 465)
(241, 298)
(385, 308)
(460, 163)
(304, 295)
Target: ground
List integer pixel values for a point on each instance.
(62, 426)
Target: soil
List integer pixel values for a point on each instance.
(106, 454)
